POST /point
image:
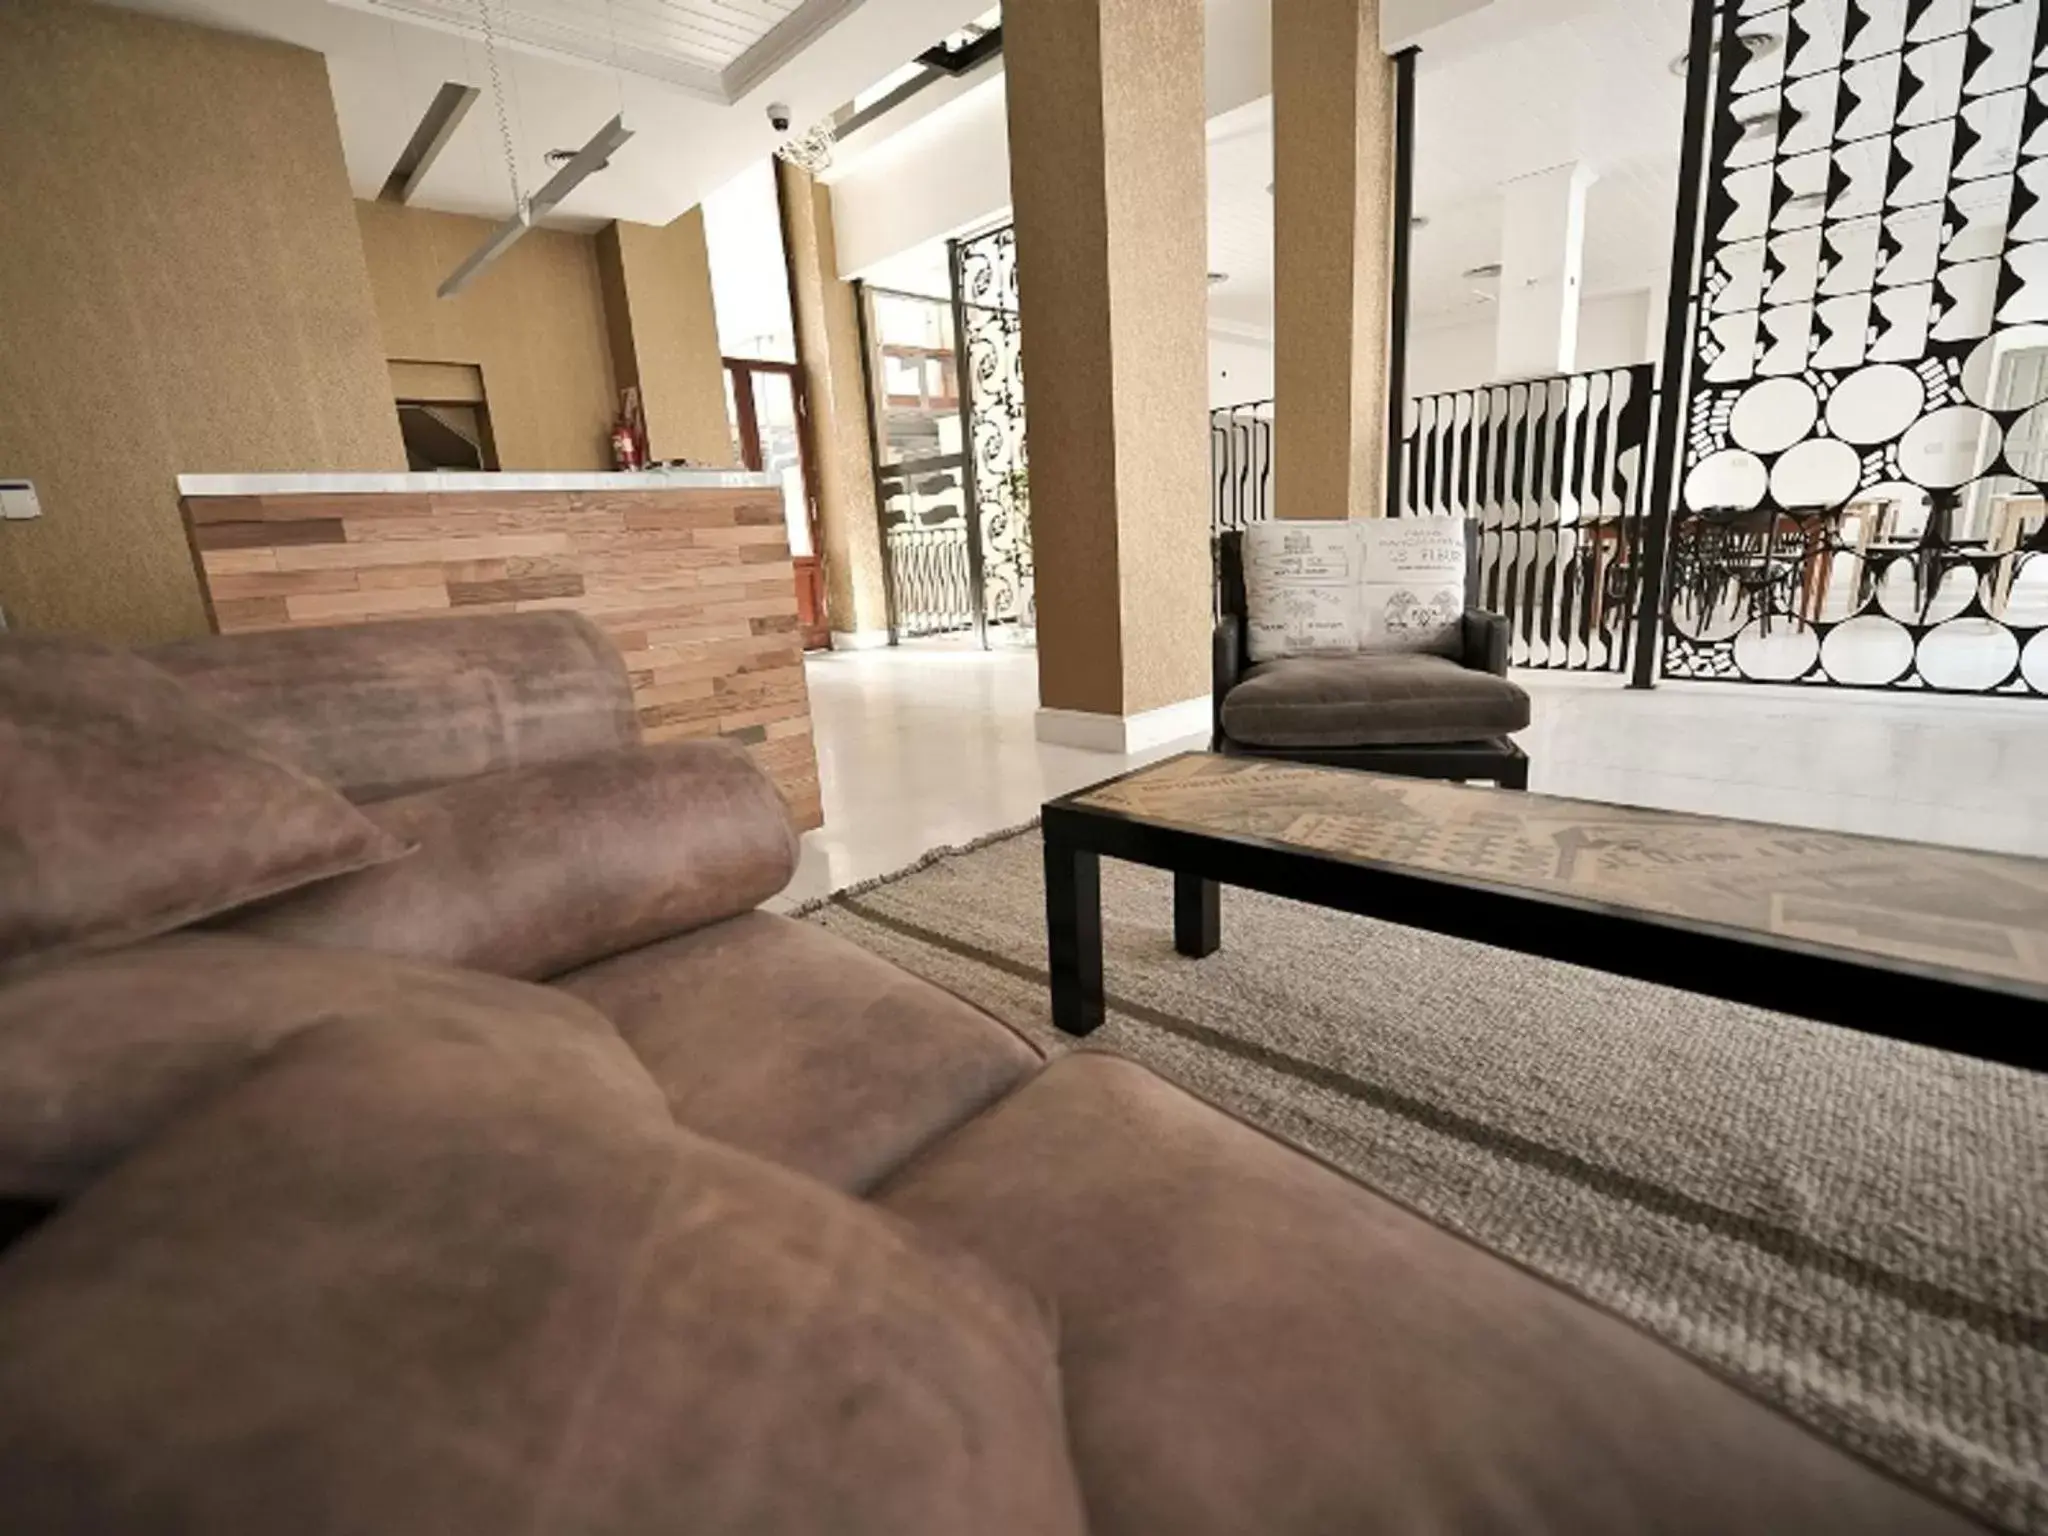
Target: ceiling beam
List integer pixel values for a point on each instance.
(444, 113)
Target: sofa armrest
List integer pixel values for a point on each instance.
(1486, 642)
(384, 709)
(536, 871)
(1226, 663)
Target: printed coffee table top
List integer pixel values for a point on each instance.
(1980, 912)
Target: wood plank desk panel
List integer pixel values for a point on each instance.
(694, 585)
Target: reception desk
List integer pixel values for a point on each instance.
(688, 571)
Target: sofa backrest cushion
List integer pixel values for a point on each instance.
(388, 708)
(535, 871)
(1368, 585)
(423, 1278)
(128, 808)
(99, 1055)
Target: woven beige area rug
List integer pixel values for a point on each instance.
(1854, 1229)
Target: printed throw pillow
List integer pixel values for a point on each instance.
(1412, 597)
(128, 809)
(1304, 589)
(1373, 585)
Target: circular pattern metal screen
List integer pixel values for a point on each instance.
(1866, 443)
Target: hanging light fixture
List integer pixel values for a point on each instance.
(810, 150)
(527, 211)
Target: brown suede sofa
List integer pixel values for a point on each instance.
(533, 1180)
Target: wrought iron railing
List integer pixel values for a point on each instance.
(1240, 465)
(1552, 473)
(924, 531)
(929, 566)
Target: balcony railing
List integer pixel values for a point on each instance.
(1551, 473)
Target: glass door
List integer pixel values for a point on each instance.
(920, 464)
(769, 422)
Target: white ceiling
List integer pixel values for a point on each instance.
(1518, 86)
(714, 48)
(385, 67)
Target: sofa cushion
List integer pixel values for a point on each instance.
(99, 1055)
(419, 1278)
(128, 809)
(1370, 701)
(778, 1037)
(535, 870)
(387, 708)
(1252, 1342)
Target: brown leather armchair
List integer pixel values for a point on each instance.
(1432, 717)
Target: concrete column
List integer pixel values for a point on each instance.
(842, 453)
(664, 335)
(1108, 182)
(1542, 257)
(1333, 199)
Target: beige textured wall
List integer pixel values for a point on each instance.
(664, 334)
(181, 291)
(842, 454)
(1107, 175)
(1333, 193)
(534, 321)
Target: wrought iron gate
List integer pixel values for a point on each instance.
(1865, 429)
(992, 400)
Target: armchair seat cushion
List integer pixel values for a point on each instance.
(1370, 701)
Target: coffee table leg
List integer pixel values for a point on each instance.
(1197, 915)
(1073, 931)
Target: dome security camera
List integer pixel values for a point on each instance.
(778, 116)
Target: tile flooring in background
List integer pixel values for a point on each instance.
(931, 744)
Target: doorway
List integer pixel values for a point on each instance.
(946, 391)
(771, 431)
(442, 416)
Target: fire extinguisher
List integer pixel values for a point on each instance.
(629, 433)
(625, 447)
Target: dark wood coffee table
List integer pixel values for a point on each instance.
(1941, 946)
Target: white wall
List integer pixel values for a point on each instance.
(1614, 331)
(945, 173)
(949, 170)
(749, 276)
(1240, 370)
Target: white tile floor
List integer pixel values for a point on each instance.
(932, 744)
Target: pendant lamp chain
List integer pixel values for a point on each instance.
(498, 96)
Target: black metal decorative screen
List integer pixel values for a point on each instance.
(1866, 433)
(1552, 472)
(999, 476)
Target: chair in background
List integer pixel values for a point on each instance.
(1422, 716)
